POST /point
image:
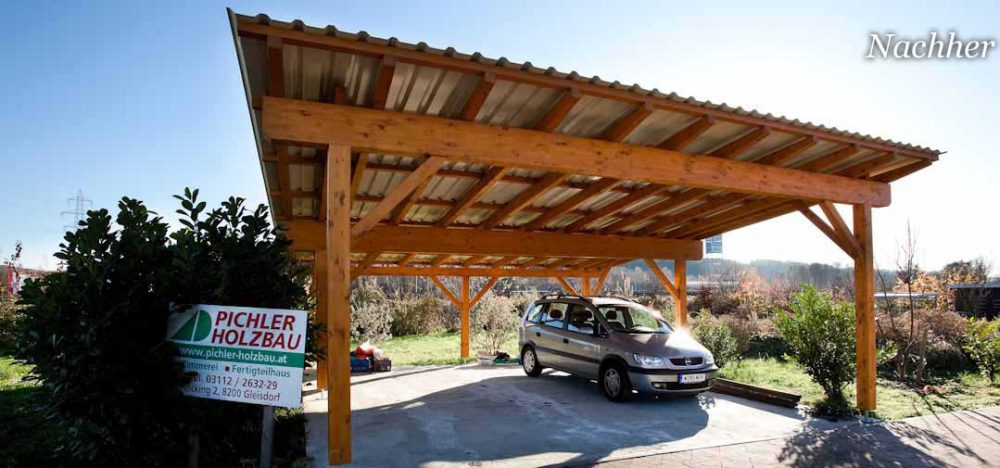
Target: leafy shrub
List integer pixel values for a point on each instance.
(8, 322)
(982, 342)
(422, 316)
(718, 338)
(95, 331)
(370, 322)
(820, 334)
(494, 322)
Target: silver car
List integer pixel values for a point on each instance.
(618, 342)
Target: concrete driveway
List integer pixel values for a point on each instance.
(496, 416)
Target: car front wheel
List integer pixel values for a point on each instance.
(614, 382)
(529, 362)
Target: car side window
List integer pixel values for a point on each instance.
(534, 313)
(581, 319)
(555, 315)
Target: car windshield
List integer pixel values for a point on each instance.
(632, 318)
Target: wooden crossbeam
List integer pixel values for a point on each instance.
(686, 135)
(478, 97)
(408, 134)
(305, 236)
(624, 126)
(512, 272)
(570, 203)
(742, 143)
(551, 120)
(490, 179)
(615, 206)
(393, 198)
(523, 199)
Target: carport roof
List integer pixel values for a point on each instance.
(326, 65)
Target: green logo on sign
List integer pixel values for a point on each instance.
(195, 329)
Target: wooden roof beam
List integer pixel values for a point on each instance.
(396, 196)
(555, 116)
(386, 70)
(490, 179)
(459, 271)
(478, 97)
(625, 125)
(523, 199)
(407, 134)
(788, 152)
(570, 203)
(615, 206)
(711, 205)
(742, 143)
(686, 135)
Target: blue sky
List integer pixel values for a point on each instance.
(118, 98)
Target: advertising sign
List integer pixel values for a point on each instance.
(713, 245)
(242, 354)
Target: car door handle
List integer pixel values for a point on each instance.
(566, 340)
(538, 334)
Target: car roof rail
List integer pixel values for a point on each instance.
(560, 295)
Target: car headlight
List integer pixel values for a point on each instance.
(643, 360)
(709, 359)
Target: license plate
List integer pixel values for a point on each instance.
(692, 378)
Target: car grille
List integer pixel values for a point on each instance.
(689, 361)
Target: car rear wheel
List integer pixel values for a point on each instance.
(529, 362)
(614, 382)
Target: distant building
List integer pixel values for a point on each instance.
(977, 300)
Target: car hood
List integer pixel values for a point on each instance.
(676, 344)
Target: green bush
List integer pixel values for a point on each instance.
(422, 316)
(718, 338)
(982, 342)
(8, 322)
(95, 332)
(494, 322)
(820, 335)
(370, 317)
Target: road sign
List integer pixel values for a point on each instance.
(243, 354)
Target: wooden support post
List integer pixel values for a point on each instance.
(320, 281)
(681, 301)
(338, 258)
(864, 309)
(465, 310)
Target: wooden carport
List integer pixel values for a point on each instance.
(387, 158)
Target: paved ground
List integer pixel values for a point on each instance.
(496, 416)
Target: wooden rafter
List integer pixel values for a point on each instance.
(523, 199)
(490, 179)
(407, 134)
(624, 126)
(901, 172)
(742, 143)
(386, 70)
(406, 259)
(747, 207)
(551, 120)
(403, 209)
(570, 203)
(708, 207)
(686, 135)
(615, 206)
(828, 160)
(788, 152)
(397, 195)
(652, 210)
(478, 97)
(369, 259)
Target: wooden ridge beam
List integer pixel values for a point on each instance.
(305, 236)
(686, 135)
(407, 134)
(247, 26)
(393, 198)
